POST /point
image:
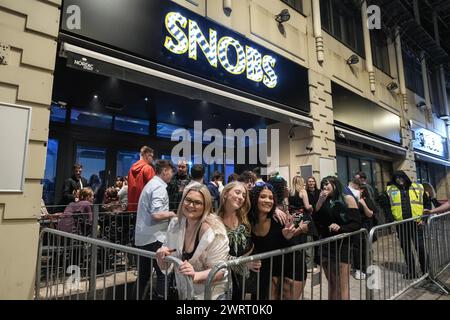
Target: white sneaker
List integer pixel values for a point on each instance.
(313, 270)
(359, 275)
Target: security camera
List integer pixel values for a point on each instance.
(353, 59)
(227, 7)
(283, 16)
(341, 135)
(421, 105)
(392, 86)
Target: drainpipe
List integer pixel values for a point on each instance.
(416, 11)
(401, 70)
(423, 61)
(367, 46)
(317, 26)
(426, 86)
(441, 67)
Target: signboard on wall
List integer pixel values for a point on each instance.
(357, 112)
(14, 129)
(428, 141)
(172, 36)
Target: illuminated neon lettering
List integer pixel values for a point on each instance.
(270, 78)
(176, 32)
(254, 69)
(224, 44)
(186, 36)
(209, 49)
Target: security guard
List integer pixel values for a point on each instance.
(406, 201)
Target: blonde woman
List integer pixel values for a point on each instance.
(298, 197)
(233, 209)
(200, 240)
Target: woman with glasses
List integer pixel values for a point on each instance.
(233, 209)
(199, 239)
(336, 213)
(268, 235)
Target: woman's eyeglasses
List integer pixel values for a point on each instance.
(195, 203)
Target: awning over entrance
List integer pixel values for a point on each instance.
(428, 158)
(93, 61)
(358, 137)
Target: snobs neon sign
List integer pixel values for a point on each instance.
(257, 67)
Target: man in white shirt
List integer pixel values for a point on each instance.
(152, 221)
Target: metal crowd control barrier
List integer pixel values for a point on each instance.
(399, 257)
(279, 267)
(116, 227)
(75, 267)
(439, 248)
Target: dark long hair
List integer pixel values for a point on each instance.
(279, 188)
(338, 197)
(254, 196)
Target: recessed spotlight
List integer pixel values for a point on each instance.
(229, 124)
(95, 96)
(146, 99)
(173, 113)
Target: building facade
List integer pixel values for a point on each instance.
(100, 84)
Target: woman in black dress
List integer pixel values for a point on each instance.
(367, 210)
(336, 213)
(268, 235)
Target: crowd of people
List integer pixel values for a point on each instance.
(204, 223)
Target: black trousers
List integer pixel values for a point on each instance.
(144, 272)
(411, 237)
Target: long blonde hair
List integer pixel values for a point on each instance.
(298, 184)
(242, 212)
(211, 219)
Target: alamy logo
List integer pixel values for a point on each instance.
(73, 282)
(374, 280)
(374, 17)
(219, 152)
(73, 21)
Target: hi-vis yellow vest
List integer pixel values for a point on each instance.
(415, 199)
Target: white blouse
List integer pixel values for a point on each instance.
(212, 249)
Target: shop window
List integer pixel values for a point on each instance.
(295, 4)
(380, 53)
(353, 165)
(58, 113)
(342, 167)
(165, 130)
(49, 183)
(132, 125)
(435, 91)
(366, 167)
(91, 119)
(413, 72)
(229, 169)
(125, 160)
(93, 161)
(342, 19)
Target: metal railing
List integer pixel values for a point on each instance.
(439, 248)
(391, 258)
(75, 267)
(283, 274)
(399, 257)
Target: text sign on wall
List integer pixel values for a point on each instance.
(217, 50)
(180, 40)
(428, 141)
